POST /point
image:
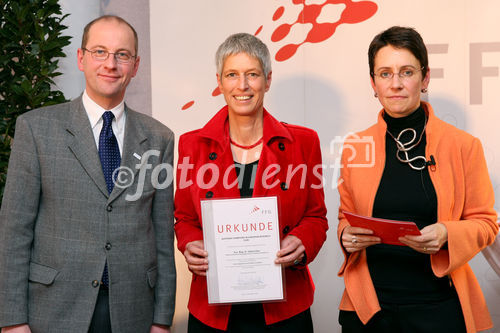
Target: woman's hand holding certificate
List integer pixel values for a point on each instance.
(196, 257)
(292, 251)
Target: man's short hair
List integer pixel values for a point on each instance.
(86, 30)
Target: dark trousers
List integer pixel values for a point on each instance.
(101, 322)
(441, 316)
(249, 318)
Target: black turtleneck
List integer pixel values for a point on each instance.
(246, 177)
(400, 274)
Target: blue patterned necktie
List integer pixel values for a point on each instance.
(109, 153)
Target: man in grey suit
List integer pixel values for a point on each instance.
(79, 253)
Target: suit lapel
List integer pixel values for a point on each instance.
(82, 144)
(133, 145)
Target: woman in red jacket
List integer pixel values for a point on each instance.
(243, 138)
(427, 171)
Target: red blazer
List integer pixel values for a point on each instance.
(302, 208)
(465, 206)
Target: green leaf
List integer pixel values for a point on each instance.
(31, 41)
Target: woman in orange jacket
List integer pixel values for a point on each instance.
(424, 170)
(253, 155)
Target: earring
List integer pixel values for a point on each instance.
(424, 90)
(375, 95)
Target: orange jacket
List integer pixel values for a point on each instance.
(465, 206)
(301, 203)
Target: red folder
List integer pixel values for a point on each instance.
(388, 230)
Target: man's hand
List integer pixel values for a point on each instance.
(159, 329)
(23, 328)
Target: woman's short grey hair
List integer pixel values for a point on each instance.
(243, 43)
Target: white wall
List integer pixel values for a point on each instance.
(72, 82)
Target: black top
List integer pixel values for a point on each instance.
(400, 274)
(246, 177)
(246, 180)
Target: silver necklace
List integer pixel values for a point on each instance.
(405, 147)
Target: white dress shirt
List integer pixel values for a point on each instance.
(95, 112)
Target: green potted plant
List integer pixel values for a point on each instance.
(31, 42)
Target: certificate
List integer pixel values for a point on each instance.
(241, 237)
(389, 231)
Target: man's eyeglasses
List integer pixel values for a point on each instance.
(404, 74)
(122, 57)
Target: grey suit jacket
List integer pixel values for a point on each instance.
(58, 225)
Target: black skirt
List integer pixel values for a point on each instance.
(250, 318)
(438, 316)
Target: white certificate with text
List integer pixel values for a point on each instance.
(242, 238)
